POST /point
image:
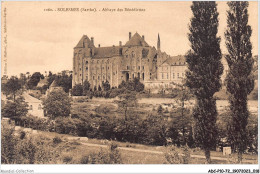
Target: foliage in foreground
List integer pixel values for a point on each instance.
(57, 104)
(110, 156)
(20, 148)
(204, 71)
(173, 156)
(240, 79)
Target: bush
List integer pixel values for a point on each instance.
(57, 140)
(111, 156)
(67, 159)
(173, 156)
(77, 90)
(25, 151)
(15, 109)
(57, 104)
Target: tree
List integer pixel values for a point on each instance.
(51, 78)
(240, 80)
(204, 70)
(106, 86)
(86, 86)
(132, 85)
(57, 104)
(64, 81)
(77, 90)
(127, 99)
(15, 109)
(34, 80)
(182, 120)
(99, 88)
(12, 86)
(138, 86)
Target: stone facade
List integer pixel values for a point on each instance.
(154, 68)
(114, 64)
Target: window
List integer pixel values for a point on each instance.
(150, 75)
(133, 55)
(39, 107)
(182, 74)
(86, 68)
(127, 67)
(98, 77)
(162, 75)
(173, 75)
(80, 75)
(167, 76)
(178, 76)
(143, 67)
(138, 67)
(31, 107)
(86, 62)
(93, 77)
(86, 77)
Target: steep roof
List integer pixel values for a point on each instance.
(42, 82)
(85, 42)
(176, 60)
(136, 40)
(54, 84)
(103, 52)
(30, 99)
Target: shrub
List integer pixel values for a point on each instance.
(173, 156)
(29, 150)
(67, 159)
(77, 90)
(57, 140)
(111, 156)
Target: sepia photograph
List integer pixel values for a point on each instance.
(130, 82)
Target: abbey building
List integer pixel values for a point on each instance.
(135, 58)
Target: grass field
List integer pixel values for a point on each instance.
(74, 148)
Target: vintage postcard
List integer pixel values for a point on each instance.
(130, 82)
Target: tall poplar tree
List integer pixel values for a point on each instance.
(239, 80)
(204, 71)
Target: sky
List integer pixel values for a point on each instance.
(40, 40)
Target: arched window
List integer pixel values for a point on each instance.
(86, 62)
(31, 107)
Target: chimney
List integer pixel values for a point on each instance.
(130, 35)
(98, 45)
(143, 37)
(92, 40)
(120, 43)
